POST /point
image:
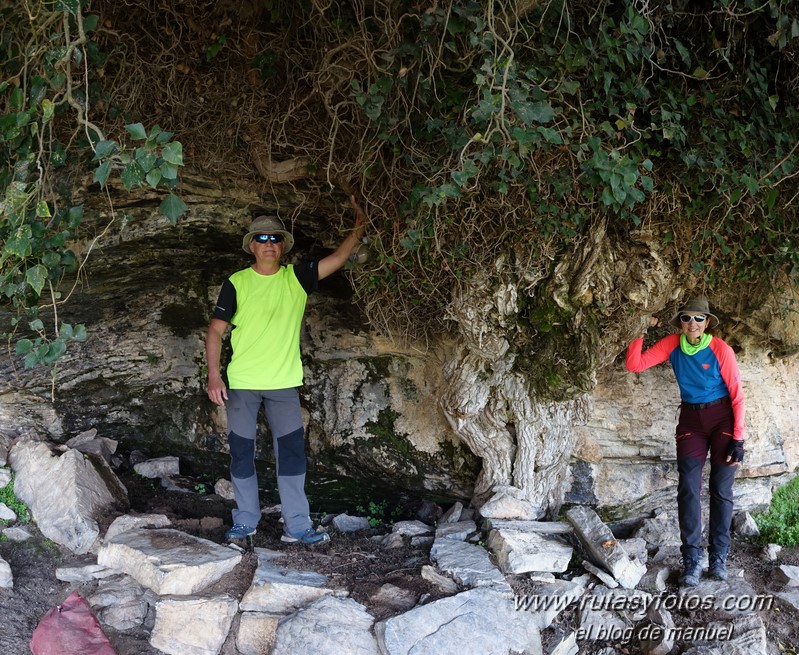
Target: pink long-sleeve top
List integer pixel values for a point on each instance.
(707, 375)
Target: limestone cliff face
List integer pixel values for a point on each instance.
(527, 390)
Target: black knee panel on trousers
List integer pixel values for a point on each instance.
(291, 453)
(242, 456)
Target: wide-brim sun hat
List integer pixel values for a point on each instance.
(267, 225)
(697, 305)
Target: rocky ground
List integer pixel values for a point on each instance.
(352, 562)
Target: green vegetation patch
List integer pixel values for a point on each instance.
(780, 524)
(8, 497)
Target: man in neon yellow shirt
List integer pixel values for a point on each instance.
(265, 304)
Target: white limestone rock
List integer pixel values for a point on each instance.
(6, 577)
(128, 522)
(468, 564)
(522, 551)
(192, 625)
(328, 626)
(256, 633)
(65, 492)
(168, 561)
(158, 467)
(280, 590)
(475, 618)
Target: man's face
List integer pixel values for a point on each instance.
(269, 246)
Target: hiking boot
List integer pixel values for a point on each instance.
(718, 567)
(239, 532)
(308, 538)
(692, 573)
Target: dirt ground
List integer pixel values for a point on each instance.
(351, 562)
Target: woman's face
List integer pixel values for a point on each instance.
(693, 329)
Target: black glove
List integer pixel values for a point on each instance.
(735, 451)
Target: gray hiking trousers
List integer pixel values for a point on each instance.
(282, 409)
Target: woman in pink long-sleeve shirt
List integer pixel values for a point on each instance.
(711, 420)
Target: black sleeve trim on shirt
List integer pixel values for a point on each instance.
(307, 274)
(226, 304)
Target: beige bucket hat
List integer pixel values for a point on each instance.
(697, 305)
(267, 225)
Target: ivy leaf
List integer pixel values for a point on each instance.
(31, 359)
(23, 347)
(168, 171)
(684, 54)
(17, 99)
(42, 210)
(47, 110)
(146, 161)
(132, 175)
(79, 333)
(570, 87)
(90, 22)
(173, 207)
(550, 135)
(136, 131)
(154, 177)
(462, 177)
(36, 276)
(75, 216)
(54, 351)
(523, 136)
(20, 243)
(163, 137)
(103, 149)
(102, 173)
(173, 153)
(540, 112)
(751, 184)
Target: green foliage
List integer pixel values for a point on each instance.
(50, 83)
(523, 131)
(154, 164)
(10, 499)
(780, 524)
(378, 513)
(213, 50)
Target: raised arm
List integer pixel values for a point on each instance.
(638, 361)
(335, 260)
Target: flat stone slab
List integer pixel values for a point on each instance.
(540, 527)
(192, 625)
(461, 530)
(479, 620)
(168, 561)
(522, 551)
(412, 528)
(279, 590)
(470, 565)
(328, 626)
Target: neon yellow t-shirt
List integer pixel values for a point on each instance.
(266, 330)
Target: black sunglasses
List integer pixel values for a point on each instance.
(268, 238)
(699, 318)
